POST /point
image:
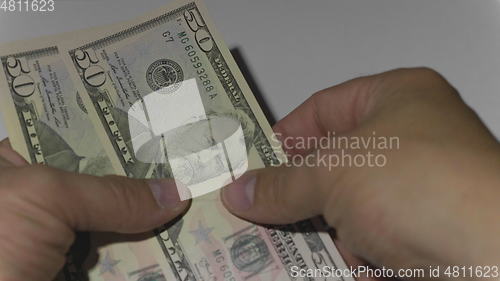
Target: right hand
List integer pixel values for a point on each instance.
(435, 202)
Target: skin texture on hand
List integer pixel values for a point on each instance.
(41, 207)
(435, 202)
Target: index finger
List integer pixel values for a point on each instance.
(336, 109)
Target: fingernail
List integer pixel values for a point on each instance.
(239, 196)
(167, 193)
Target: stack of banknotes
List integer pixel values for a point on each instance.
(65, 101)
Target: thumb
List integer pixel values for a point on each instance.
(278, 195)
(110, 203)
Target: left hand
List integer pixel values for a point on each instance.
(42, 207)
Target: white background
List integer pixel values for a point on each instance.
(293, 48)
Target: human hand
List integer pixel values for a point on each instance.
(434, 201)
(41, 207)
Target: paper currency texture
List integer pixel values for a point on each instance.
(159, 96)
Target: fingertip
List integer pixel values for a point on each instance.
(238, 196)
(169, 194)
(249, 198)
(170, 214)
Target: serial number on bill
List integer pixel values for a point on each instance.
(27, 5)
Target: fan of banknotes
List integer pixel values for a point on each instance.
(66, 101)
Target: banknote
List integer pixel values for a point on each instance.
(45, 116)
(175, 47)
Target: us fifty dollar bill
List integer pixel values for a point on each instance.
(45, 116)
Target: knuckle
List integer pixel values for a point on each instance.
(417, 71)
(39, 178)
(415, 87)
(43, 175)
(435, 79)
(423, 71)
(277, 195)
(319, 95)
(428, 72)
(424, 77)
(124, 200)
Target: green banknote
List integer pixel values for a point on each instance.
(45, 116)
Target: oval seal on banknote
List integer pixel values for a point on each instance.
(249, 253)
(165, 75)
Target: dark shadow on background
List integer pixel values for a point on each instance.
(247, 73)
